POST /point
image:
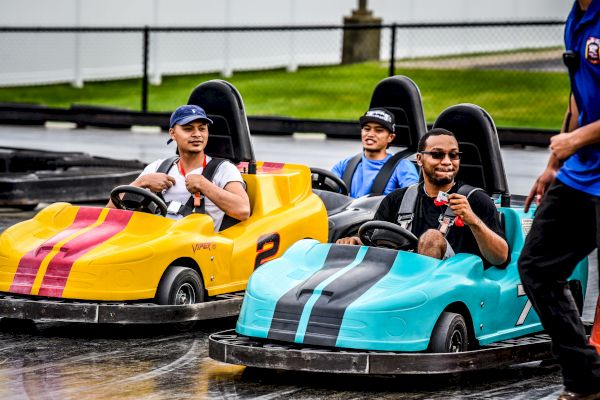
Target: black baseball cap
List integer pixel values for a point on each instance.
(380, 116)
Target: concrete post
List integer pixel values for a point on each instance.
(77, 81)
(227, 70)
(361, 44)
(292, 64)
(155, 73)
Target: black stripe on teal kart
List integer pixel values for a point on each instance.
(288, 310)
(328, 311)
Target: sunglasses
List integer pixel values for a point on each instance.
(440, 155)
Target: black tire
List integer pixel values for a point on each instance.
(180, 285)
(450, 334)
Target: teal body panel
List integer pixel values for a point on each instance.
(399, 309)
(272, 280)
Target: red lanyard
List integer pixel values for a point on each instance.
(182, 172)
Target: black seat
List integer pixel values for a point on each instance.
(229, 135)
(401, 96)
(481, 162)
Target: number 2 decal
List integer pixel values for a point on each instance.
(266, 248)
(526, 309)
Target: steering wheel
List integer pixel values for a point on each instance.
(388, 235)
(326, 180)
(137, 199)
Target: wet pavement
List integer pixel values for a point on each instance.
(77, 361)
(68, 361)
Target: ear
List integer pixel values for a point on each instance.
(172, 133)
(419, 159)
(391, 137)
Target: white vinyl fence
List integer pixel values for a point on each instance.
(51, 57)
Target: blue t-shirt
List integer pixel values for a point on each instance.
(582, 36)
(404, 175)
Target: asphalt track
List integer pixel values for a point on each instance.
(74, 361)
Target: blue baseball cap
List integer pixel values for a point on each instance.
(188, 113)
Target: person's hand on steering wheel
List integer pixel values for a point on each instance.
(133, 198)
(156, 182)
(387, 235)
(349, 240)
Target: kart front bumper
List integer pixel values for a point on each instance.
(232, 348)
(117, 313)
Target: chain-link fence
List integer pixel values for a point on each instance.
(514, 70)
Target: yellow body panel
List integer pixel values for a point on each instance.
(100, 254)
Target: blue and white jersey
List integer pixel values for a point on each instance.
(582, 36)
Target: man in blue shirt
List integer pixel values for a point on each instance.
(565, 228)
(377, 132)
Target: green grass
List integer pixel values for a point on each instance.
(513, 98)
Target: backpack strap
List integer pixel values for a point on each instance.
(164, 168)
(468, 190)
(406, 213)
(350, 169)
(383, 176)
(208, 172)
(166, 165)
(448, 218)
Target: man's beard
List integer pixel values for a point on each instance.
(441, 181)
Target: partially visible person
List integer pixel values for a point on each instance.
(183, 185)
(565, 227)
(479, 233)
(377, 132)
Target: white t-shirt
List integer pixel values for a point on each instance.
(225, 173)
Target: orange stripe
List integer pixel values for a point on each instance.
(60, 266)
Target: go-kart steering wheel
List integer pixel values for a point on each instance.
(137, 199)
(326, 180)
(388, 235)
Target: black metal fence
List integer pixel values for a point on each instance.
(513, 69)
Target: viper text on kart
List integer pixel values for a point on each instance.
(132, 264)
(383, 309)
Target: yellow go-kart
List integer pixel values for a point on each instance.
(93, 264)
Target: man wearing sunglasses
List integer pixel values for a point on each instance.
(362, 171)
(565, 228)
(478, 233)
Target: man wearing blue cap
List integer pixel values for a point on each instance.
(182, 184)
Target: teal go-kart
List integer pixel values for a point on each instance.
(376, 310)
